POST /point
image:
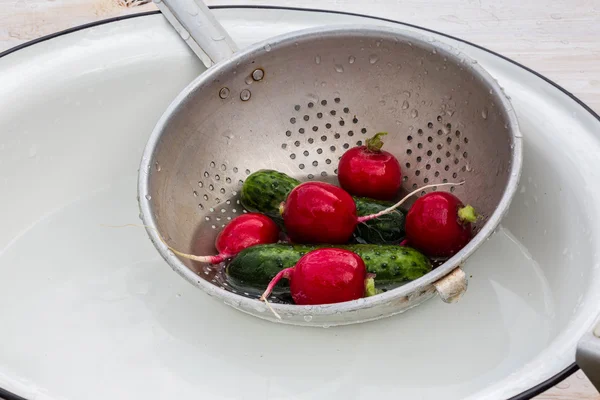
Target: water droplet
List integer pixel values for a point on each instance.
(267, 47)
(555, 16)
(185, 35)
(248, 80)
(339, 68)
(405, 105)
(351, 59)
(406, 93)
(414, 113)
(373, 58)
(224, 92)
(563, 385)
(245, 95)
(308, 318)
(157, 166)
(148, 197)
(258, 74)
(382, 102)
(317, 59)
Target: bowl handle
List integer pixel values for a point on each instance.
(452, 286)
(199, 28)
(587, 355)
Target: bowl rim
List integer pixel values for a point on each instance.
(274, 43)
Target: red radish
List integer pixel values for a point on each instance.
(439, 224)
(369, 171)
(325, 276)
(242, 232)
(318, 212)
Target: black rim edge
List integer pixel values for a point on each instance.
(526, 395)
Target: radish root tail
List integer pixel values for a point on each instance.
(204, 259)
(398, 204)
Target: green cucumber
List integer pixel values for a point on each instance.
(257, 265)
(264, 190)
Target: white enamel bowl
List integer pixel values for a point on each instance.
(94, 312)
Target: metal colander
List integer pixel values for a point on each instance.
(294, 104)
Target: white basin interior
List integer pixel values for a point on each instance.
(88, 306)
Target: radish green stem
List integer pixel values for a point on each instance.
(398, 204)
(375, 144)
(467, 214)
(370, 287)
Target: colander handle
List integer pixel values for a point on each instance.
(199, 28)
(587, 355)
(452, 286)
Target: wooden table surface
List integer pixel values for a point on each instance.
(559, 39)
